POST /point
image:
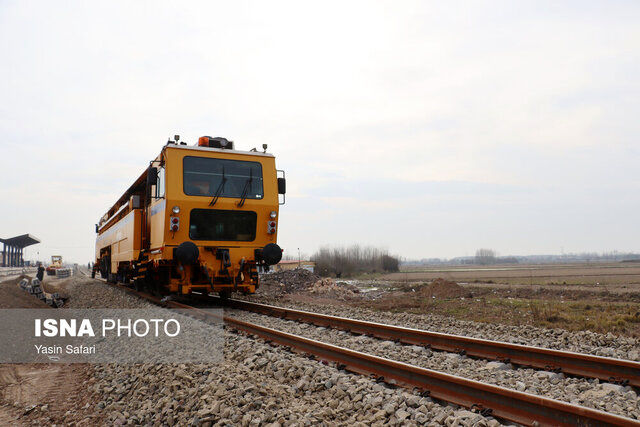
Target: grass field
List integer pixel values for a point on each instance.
(579, 274)
(597, 297)
(590, 314)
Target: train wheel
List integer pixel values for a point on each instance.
(105, 268)
(152, 283)
(226, 294)
(139, 285)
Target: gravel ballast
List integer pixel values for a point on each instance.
(608, 345)
(259, 384)
(586, 392)
(255, 384)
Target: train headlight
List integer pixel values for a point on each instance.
(176, 210)
(273, 214)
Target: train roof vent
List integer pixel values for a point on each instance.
(217, 142)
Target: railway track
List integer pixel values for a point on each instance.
(604, 368)
(487, 399)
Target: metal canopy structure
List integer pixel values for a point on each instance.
(13, 247)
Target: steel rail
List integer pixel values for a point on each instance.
(584, 365)
(523, 408)
(487, 399)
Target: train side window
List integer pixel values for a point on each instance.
(160, 184)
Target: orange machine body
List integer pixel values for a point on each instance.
(200, 219)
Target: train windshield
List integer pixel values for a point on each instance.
(222, 178)
(216, 224)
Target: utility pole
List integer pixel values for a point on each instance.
(299, 262)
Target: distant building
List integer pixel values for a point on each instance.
(292, 265)
(13, 249)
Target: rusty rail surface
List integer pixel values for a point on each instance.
(523, 408)
(585, 365)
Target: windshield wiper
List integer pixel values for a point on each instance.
(245, 190)
(219, 190)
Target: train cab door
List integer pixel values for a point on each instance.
(157, 212)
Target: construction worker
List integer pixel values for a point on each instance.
(40, 273)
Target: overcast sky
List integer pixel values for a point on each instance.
(428, 128)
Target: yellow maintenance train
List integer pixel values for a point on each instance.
(201, 218)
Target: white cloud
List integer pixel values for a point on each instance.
(533, 94)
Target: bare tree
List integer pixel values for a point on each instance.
(287, 256)
(345, 262)
(485, 256)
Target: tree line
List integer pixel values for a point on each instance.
(352, 260)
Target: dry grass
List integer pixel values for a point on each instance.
(603, 317)
(616, 317)
(602, 297)
(580, 274)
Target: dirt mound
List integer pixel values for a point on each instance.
(329, 288)
(11, 296)
(14, 281)
(441, 288)
(301, 281)
(60, 286)
(287, 281)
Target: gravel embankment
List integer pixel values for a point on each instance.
(84, 292)
(609, 345)
(258, 384)
(586, 392)
(254, 384)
